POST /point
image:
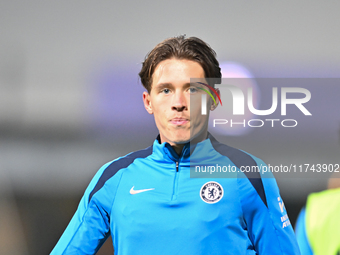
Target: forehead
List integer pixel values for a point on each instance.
(176, 71)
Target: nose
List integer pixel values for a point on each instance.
(179, 102)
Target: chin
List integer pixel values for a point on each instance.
(180, 139)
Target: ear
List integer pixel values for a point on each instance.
(213, 105)
(147, 102)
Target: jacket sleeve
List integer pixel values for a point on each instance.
(268, 225)
(301, 234)
(89, 227)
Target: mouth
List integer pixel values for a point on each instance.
(179, 121)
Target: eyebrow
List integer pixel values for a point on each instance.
(169, 85)
(163, 85)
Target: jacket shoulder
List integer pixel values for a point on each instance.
(112, 168)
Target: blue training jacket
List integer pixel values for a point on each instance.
(148, 203)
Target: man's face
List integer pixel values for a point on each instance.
(178, 120)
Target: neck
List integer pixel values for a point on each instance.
(178, 147)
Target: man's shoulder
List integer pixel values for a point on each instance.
(126, 160)
(112, 168)
(243, 161)
(237, 156)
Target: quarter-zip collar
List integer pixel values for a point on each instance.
(191, 151)
(165, 152)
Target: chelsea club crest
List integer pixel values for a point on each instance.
(211, 192)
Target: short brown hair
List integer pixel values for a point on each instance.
(179, 47)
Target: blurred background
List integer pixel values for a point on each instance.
(71, 100)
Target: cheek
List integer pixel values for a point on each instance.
(159, 112)
(196, 116)
(196, 106)
(195, 103)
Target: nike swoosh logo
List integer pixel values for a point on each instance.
(133, 192)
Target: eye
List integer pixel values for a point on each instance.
(193, 90)
(165, 91)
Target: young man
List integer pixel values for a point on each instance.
(147, 201)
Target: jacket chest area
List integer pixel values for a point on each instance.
(174, 200)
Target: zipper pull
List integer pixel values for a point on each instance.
(176, 166)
